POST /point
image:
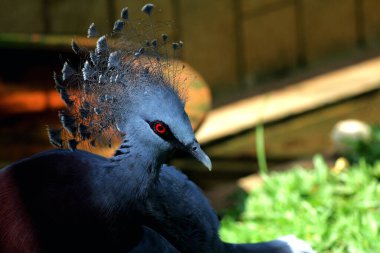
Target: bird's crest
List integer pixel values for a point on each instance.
(135, 55)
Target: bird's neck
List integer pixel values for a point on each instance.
(121, 189)
(137, 167)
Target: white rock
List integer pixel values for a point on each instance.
(347, 131)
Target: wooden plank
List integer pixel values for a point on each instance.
(262, 7)
(294, 99)
(371, 22)
(208, 30)
(20, 16)
(74, 17)
(299, 136)
(329, 27)
(269, 43)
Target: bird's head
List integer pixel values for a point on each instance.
(155, 117)
(127, 90)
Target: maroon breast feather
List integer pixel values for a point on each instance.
(16, 230)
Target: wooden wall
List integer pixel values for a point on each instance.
(233, 43)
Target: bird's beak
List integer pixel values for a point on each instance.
(195, 150)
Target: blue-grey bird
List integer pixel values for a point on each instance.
(67, 200)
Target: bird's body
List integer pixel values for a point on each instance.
(94, 204)
(183, 217)
(89, 204)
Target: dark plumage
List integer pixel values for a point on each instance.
(176, 197)
(66, 203)
(62, 213)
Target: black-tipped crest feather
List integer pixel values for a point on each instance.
(148, 8)
(67, 71)
(92, 32)
(118, 25)
(55, 137)
(75, 47)
(68, 122)
(124, 13)
(72, 144)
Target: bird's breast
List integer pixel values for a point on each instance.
(16, 230)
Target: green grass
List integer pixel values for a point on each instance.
(333, 212)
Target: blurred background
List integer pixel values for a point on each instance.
(273, 78)
(296, 66)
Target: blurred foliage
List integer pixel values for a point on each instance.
(367, 149)
(334, 212)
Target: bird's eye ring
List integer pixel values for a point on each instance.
(159, 128)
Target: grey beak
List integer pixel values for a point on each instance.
(198, 153)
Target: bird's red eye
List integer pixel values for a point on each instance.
(160, 128)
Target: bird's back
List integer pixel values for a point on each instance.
(48, 198)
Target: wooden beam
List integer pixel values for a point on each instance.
(294, 99)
